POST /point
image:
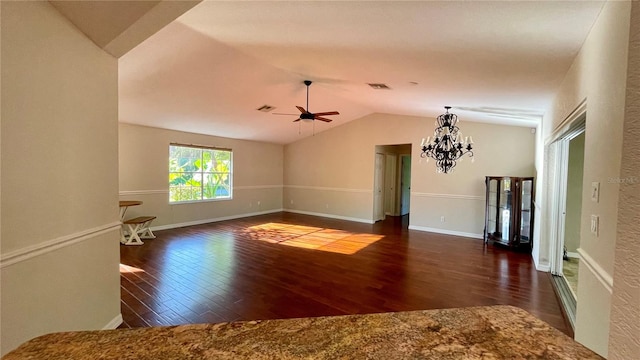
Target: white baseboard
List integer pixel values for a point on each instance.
(543, 267)
(114, 323)
(446, 232)
(331, 216)
(573, 255)
(206, 221)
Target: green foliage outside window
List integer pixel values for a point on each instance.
(199, 173)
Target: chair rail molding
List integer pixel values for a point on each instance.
(257, 187)
(604, 277)
(166, 191)
(29, 252)
(142, 192)
(321, 188)
(448, 196)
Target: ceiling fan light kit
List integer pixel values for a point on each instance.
(448, 145)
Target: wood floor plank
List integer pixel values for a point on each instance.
(287, 265)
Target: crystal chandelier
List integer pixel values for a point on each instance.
(447, 145)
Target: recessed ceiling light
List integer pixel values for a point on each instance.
(266, 108)
(379, 86)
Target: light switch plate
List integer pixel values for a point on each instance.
(595, 224)
(595, 191)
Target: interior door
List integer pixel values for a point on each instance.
(378, 188)
(555, 200)
(405, 185)
(390, 184)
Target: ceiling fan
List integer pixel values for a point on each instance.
(306, 115)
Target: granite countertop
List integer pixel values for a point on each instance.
(489, 332)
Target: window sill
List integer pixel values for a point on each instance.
(199, 201)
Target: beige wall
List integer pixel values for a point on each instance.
(624, 338)
(598, 75)
(332, 172)
(59, 250)
(574, 194)
(144, 154)
(59, 117)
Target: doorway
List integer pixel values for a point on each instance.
(565, 174)
(378, 188)
(392, 181)
(405, 184)
(573, 213)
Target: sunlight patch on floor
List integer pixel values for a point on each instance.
(129, 269)
(312, 238)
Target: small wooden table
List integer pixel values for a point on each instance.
(124, 205)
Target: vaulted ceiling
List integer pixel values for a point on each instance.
(210, 69)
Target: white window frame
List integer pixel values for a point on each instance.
(203, 148)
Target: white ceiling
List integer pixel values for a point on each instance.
(208, 71)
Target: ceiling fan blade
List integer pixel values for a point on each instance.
(322, 119)
(302, 110)
(282, 114)
(327, 113)
(298, 119)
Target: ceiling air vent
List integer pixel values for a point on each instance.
(379, 86)
(266, 108)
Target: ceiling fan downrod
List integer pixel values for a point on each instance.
(308, 83)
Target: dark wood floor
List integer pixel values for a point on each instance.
(287, 265)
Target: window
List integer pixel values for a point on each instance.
(198, 173)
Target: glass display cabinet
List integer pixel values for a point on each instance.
(509, 211)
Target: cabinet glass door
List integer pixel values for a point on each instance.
(525, 211)
(504, 210)
(493, 207)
